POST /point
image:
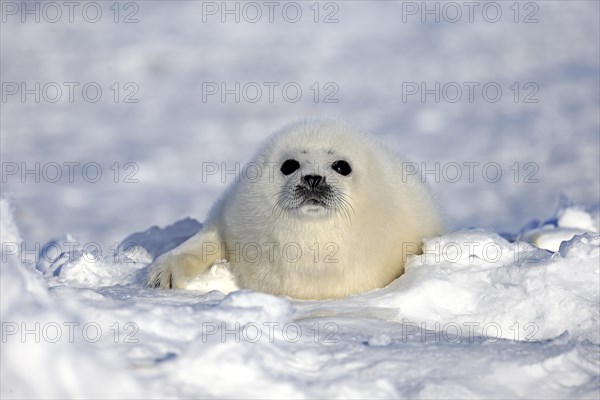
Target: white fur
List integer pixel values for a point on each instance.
(360, 247)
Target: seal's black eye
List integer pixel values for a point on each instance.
(289, 166)
(341, 167)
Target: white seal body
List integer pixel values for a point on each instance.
(325, 212)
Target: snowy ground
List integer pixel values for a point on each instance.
(475, 316)
(520, 322)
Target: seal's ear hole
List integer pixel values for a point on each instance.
(341, 167)
(289, 166)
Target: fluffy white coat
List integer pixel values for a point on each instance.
(379, 217)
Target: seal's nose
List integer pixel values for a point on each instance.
(312, 180)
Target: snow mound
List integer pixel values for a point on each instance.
(568, 221)
(81, 268)
(219, 277)
(45, 351)
(478, 284)
(157, 241)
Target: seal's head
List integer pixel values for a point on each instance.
(317, 170)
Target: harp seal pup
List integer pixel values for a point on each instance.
(323, 211)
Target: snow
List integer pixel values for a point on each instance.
(505, 305)
(475, 315)
(570, 220)
(43, 353)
